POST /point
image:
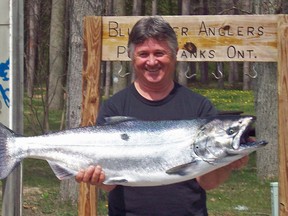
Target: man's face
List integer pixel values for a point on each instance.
(153, 62)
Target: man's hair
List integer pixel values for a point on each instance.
(152, 27)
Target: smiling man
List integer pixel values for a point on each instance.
(154, 95)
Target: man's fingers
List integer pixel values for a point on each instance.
(79, 176)
(97, 176)
(93, 175)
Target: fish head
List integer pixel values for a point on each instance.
(225, 135)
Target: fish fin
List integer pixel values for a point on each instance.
(7, 161)
(231, 152)
(115, 181)
(61, 171)
(118, 119)
(209, 160)
(182, 169)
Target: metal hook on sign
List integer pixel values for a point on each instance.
(187, 73)
(219, 71)
(120, 71)
(254, 71)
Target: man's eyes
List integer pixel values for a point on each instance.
(143, 55)
(159, 54)
(156, 54)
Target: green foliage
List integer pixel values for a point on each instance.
(34, 111)
(230, 100)
(164, 7)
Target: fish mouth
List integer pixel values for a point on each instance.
(247, 147)
(248, 133)
(248, 143)
(245, 131)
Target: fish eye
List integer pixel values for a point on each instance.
(231, 130)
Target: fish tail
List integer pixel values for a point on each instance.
(7, 161)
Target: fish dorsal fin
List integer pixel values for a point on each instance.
(61, 171)
(182, 169)
(118, 119)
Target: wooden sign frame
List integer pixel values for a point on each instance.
(255, 38)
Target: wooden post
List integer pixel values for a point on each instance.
(90, 100)
(283, 112)
(12, 186)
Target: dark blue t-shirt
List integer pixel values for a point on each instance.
(180, 199)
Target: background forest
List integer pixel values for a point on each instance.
(53, 66)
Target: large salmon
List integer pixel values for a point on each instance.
(133, 152)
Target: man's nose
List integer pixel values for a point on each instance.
(152, 60)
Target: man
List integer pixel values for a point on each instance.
(154, 95)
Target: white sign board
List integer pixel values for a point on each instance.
(4, 63)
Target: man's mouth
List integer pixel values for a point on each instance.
(152, 70)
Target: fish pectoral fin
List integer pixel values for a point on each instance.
(61, 171)
(118, 119)
(182, 169)
(232, 152)
(116, 181)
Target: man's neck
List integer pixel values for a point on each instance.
(154, 92)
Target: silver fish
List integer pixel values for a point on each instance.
(133, 152)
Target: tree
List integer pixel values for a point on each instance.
(108, 65)
(204, 65)
(154, 7)
(77, 10)
(57, 55)
(246, 6)
(119, 68)
(183, 67)
(137, 7)
(266, 111)
(33, 10)
(36, 61)
(267, 119)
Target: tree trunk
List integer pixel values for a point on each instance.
(120, 68)
(204, 78)
(137, 7)
(267, 115)
(33, 8)
(183, 67)
(246, 6)
(233, 74)
(267, 119)
(108, 64)
(154, 7)
(246, 78)
(77, 10)
(57, 54)
(220, 75)
(204, 65)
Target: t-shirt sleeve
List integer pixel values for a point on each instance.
(112, 107)
(106, 110)
(207, 108)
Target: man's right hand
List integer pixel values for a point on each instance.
(95, 176)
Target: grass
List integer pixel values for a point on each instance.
(242, 194)
(232, 100)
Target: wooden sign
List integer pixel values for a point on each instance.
(256, 38)
(203, 38)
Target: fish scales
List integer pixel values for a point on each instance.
(133, 152)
